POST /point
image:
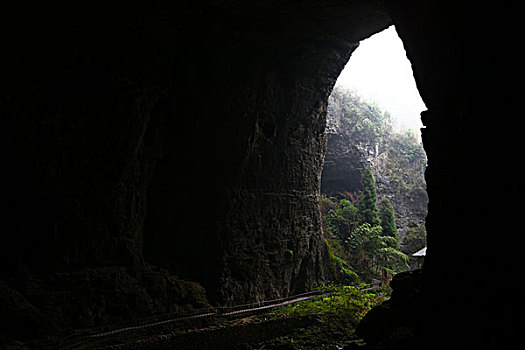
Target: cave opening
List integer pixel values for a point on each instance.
(106, 198)
(373, 122)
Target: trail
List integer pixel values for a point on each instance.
(153, 327)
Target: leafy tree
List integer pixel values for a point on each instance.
(363, 237)
(367, 123)
(339, 218)
(346, 217)
(368, 200)
(358, 247)
(363, 244)
(390, 260)
(388, 223)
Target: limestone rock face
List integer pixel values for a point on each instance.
(190, 136)
(349, 152)
(344, 164)
(409, 203)
(182, 135)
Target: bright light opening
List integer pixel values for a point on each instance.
(380, 72)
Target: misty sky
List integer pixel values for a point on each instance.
(380, 71)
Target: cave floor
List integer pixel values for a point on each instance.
(253, 332)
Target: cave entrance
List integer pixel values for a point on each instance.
(373, 122)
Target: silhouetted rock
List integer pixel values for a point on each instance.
(190, 136)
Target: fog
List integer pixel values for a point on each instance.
(380, 71)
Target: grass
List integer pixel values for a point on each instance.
(347, 303)
(335, 316)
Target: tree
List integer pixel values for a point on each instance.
(368, 200)
(358, 249)
(388, 223)
(390, 260)
(374, 254)
(363, 245)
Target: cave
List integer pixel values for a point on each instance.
(163, 150)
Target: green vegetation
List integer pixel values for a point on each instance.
(388, 222)
(367, 122)
(361, 234)
(406, 165)
(362, 246)
(368, 200)
(347, 303)
(333, 317)
(372, 132)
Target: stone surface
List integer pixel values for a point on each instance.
(170, 133)
(348, 153)
(410, 204)
(183, 135)
(460, 302)
(35, 306)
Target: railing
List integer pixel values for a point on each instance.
(88, 338)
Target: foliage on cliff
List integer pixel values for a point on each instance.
(387, 217)
(367, 123)
(365, 143)
(373, 132)
(361, 249)
(368, 211)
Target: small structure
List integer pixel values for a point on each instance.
(419, 257)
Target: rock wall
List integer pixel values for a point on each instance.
(344, 164)
(410, 204)
(459, 292)
(349, 152)
(185, 134)
(179, 135)
(249, 228)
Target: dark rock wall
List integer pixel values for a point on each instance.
(174, 134)
(468, 270)
(85, 93)
(246, 221)
(343, 166)
(190, 136)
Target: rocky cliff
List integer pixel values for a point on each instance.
(183, 137)
(397, 163)
(406, 192)
(115, 162)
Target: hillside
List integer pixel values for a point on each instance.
(360, 135)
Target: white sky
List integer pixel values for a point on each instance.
(380, 71)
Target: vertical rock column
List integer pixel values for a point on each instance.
(272, 240)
